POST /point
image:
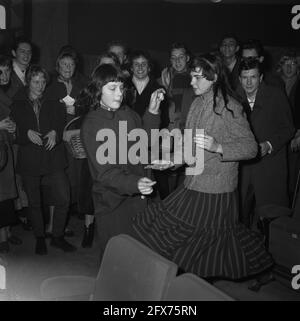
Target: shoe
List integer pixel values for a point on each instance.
(14, 240)
(4, 247)
(68, 233)
(260, 281)
(88, 236)
(61, 243)
(40, 246)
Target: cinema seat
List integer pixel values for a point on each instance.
(189, 287)
(130, 271)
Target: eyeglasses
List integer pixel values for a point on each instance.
(175, 58)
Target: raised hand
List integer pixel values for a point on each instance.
(156, 98)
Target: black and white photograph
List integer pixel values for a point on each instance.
(149, 154)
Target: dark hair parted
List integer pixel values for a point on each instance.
(141, 53)
(254, 44)
(229, 36)
(90, 96)
(250, 63)
(5, 61)
(35, 70)
(117, 43)
(212, 69)
(179, 45)
(109, 55)
(20, 40)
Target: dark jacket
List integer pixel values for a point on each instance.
(57, 90)
(140, 102)
(32, 159)
(8, 188)
(15, 86)
(113, 183)
(294, 98)
(270, 120)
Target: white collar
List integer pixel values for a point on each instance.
(140, 85)
(19, 72)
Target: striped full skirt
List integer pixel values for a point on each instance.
(200, 232)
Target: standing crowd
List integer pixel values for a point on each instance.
(205, 222)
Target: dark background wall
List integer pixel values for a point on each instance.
(156, 25)
(149, 24)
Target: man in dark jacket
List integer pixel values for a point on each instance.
(41, 157)
(265, 177)
(22, 53)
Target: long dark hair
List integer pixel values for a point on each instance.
(211, 65)
(89, 98)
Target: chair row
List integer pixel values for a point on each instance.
(130, 271)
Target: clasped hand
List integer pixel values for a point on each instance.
(35, 138)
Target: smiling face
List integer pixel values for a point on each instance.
(140, 68)
(4, 75)
(23, 54)
(66, 67)
(112, 94)
(229, 47)
(179, 59)
(250, 81)
(37, 85)
(199, 83)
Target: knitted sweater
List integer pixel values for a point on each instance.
(232, 131)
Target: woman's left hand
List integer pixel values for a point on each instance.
(156, 98)
(208, 142)
(51, 140)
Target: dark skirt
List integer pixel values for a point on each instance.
(200, 232)
(7, 213)
(85, 198)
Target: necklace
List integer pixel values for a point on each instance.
(106, 107)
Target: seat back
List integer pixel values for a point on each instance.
(131, 271)
(189, 287)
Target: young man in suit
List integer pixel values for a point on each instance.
(264, 178)
(22, 53)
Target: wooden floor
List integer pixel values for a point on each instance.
(26, 271)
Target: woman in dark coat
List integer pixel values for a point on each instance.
(41, 158)
(8, 189)
(120, 187)
(65, 86)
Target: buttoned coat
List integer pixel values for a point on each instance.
(270, 120)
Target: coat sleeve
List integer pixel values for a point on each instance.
(58, 120)
(283, 117)
(21, 125)
(113, 176)
(239, 142)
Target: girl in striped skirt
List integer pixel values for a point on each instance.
(197, 225)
